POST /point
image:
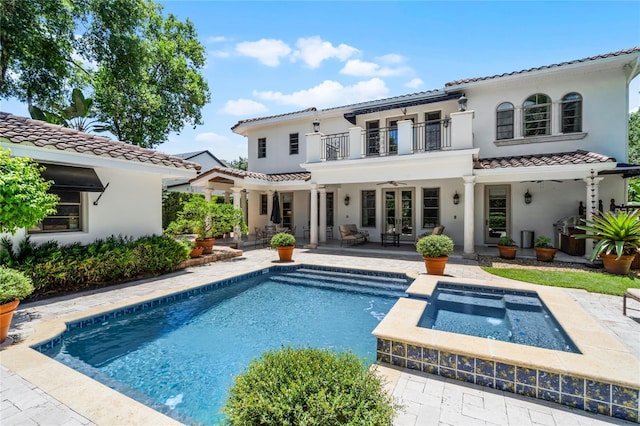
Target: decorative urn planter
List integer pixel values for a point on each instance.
(206, 244)
(545, 254)
(620, 266)
(508, 252)
(285, 253)
(435, 265)
(6, 314)
(196, 252)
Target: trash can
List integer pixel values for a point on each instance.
(526, 239)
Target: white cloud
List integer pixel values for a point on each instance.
(219, 54)
(414, 83)
(267, 51)
(391, 58)
(211, 137)
(215, 39)
(243, 107)
(358, 68)
(313, 51)
(329, 93)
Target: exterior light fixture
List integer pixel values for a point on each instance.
(527, 197)
(445, 122)
(346, 200)
(316, 126)
(456, 198)
(462, 103)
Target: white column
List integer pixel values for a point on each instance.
(356, 149)
(462, 129)
(237, 198)
(405, 139)
(556, 114)
(313, 231)
(322, 230)
(226, 197)
(591, 210)
(269, 205)
(207, 193)
(243, 204)
(517, 122)
(469, 222)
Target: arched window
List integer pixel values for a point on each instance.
(572, 113)
(536, 115)
(504, 121)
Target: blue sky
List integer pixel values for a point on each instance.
(270, 57)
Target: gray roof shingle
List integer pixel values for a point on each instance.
(276, 177)
(553, 159)
(21, 130)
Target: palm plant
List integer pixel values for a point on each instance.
(614, 232)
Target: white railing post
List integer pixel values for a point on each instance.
(462, 130)
(314, 147)
(405, 137)
(356, 141)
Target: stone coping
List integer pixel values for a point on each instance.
(602, 357)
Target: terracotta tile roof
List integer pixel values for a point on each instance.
(554, 159)
(249, 120)
(576, 61)
(21, 130)
(276, 177)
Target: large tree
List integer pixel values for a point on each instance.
(142, 69)
(634, 137)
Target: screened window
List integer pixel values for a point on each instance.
(293, 143)
(536, 115)
(68, 216)
(430, 207)
(263, 204)
(262, 147)
(368, 208)
(572, 113)
(504, 121)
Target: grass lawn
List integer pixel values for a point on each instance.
(594, 282)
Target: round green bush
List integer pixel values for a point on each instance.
(13, 285)
(282, 239)
(308, 386)
(434, 245)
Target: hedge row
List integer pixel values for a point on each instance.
(57, 269)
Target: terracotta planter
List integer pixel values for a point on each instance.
(508, 252)
(196, 252)
(615, 266)
(545, 254)
(206, 244)
(6, 314)
(435, 265)
(285, 253)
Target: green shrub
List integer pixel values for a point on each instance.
(506, 241)
(308, 386)
(543, 242)
(282, 239)
(434, 245)
(13, 285)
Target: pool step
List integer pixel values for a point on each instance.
(488, 301)
(368, 278)
(368, 281)
(343, 285)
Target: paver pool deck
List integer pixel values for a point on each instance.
(33, 394)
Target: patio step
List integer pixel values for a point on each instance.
(373, 287)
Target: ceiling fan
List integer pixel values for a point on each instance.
(391, 182)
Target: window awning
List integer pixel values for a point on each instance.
(66, 178)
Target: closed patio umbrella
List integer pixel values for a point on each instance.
(276, 215)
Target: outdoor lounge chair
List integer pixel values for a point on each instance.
(350, 235)
(632, 293)
(437, 230)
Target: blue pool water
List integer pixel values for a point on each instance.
(494, 313)
(180, 358)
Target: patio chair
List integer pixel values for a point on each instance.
(260, 237)
(350, 235)
(437, 230)
(632, 293)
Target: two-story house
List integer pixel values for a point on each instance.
(484, 157)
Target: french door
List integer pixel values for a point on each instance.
(497, 219)
(399, 214)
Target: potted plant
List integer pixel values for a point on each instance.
(435, 250)
(618, 239)
(507, 247)
(190, 247)
(14, 286)
(545, 252)
(285, 244)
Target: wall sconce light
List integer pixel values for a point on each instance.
(445, 122)
(527, 197)
(456, 198)
(316, 125)
(346, 200)
(462, 103)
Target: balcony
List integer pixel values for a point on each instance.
(454, 132)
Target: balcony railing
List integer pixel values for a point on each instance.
(432, 135)
(381, 141)
(335, 147)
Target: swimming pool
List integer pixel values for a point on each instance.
(495, 313)
(179, 355)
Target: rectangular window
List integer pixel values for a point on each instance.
(572, 117)
(536, 120)
(263, 204)
(430, 207)
(287, 210)
(368, 209)
(262, 147)
(293, 144)
(373, 137)
(505, 124)
(67, 218)
(432, 130)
